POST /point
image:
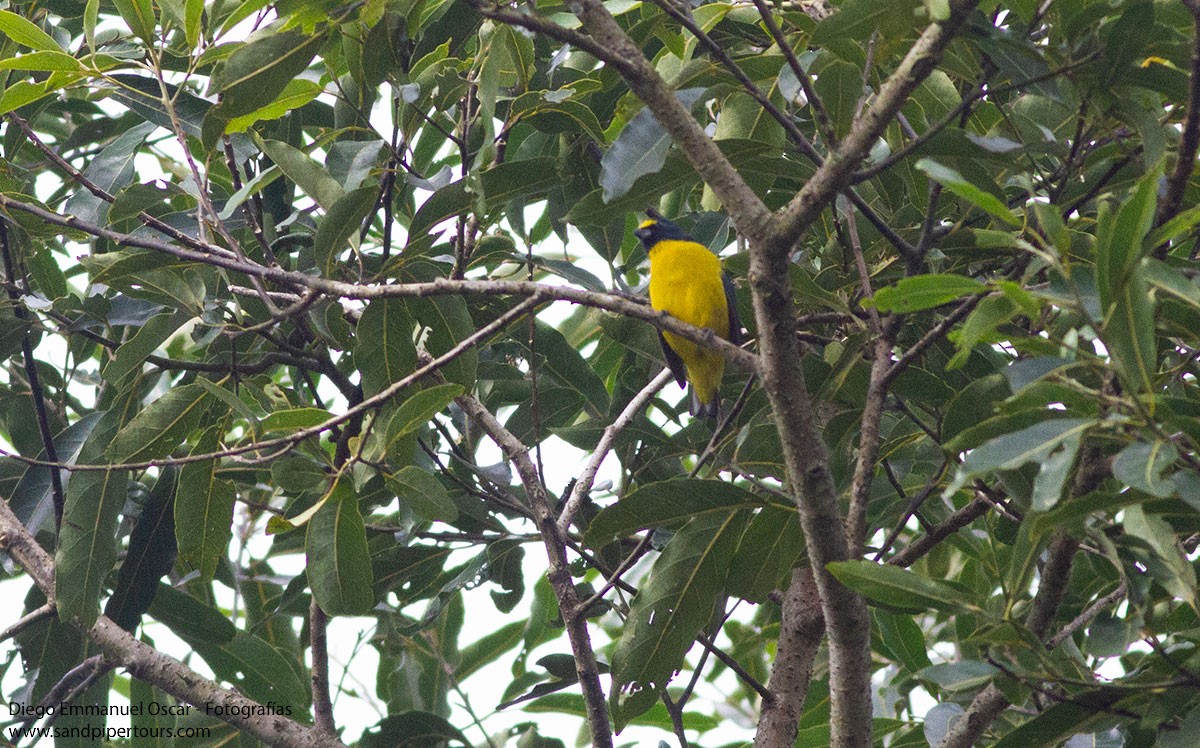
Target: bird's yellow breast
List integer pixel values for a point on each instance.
(685, 282)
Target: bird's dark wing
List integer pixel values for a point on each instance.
(735, 322)
(674, 362)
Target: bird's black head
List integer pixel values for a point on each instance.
(654, 230)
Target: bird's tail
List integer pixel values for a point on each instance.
(709, 410)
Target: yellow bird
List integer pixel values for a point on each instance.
(687, 282)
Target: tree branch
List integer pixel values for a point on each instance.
(574, 618)
(1189, 143)
(147, 664)
(800, 632)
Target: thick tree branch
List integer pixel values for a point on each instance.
(439, 287)
(1189, 142)
(147, 664)
(574, 617)
(800, 632)
(832, 177)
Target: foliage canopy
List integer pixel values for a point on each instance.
(308, 304)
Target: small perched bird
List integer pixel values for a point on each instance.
(687, 282)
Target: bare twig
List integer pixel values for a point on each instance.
(31, 373)
(322, 705)
(586, 478)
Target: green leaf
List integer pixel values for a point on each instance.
(423, 494)
(340, 227)
(26, 33)
(383, 347)
(446, 322)
(153, 725)
(903, 638)
(296, 94)
(901, 589)
(640, 149)
(1142, 465)
(1119, 238)
(671, 607)
(87, 548)
(139, 16)
(417, 410)
(1053, 474)
(1129, 331)
(1176, 573)
(766, 553)
(132, 354)
(925, 292)
(1011, 451)
(189, 618)
(257, 670)
(43, 61)
(306, 173)
(295, 419)
(204, 509)
(662, 503)
(412, 730)
(568, 367)
(339, 564)
(156, 431)
(840, 88)
(958, 184)
(111, 170)
(255, 75)
(150, 556)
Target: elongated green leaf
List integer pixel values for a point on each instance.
(416, 411)
(1053, 473)
(189, 618)
(257, 669)
(1011, 451)
(296, 94)
(1176, 572)
(766, 553)
(1129, 331)
(255, 75)
(204, 509)
(150, 557)
(44, 61)
(32, 499)
(384, 348)
(132, 354)
(139, 16)
(413, 730)
(1142, 465)
(958, 184)
(670, 609)
(160, 428)
(25, 33)
(925, 292)
(295, 419)
(1119, 244)
(340, 226)
(640, 149)
(87, 541)
(154, 724)
(339, 564)
(446, 321)
(902, 589)
(569, 368)
(665, 502)
(423, 493)
(498, 186)
(305, 172)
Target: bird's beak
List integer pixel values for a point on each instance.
(642, 233)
